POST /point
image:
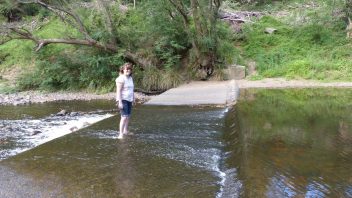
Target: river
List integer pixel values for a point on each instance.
(273, 143)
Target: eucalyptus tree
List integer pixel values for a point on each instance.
(200, 19)
(348, 11)
(197, 20)
(106, 19)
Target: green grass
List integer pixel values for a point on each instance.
(21, 53)
(16, 53)
(315, 49)
(5, 88)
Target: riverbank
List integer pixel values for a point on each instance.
(29, 97)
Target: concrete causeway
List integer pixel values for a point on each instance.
(199, 93)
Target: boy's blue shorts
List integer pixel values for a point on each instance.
(127, 108)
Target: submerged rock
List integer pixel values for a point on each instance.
(36, 132)
(62, 113)
(74, 114)
(73, 128)
(3, 141)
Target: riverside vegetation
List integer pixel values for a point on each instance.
(75, 45)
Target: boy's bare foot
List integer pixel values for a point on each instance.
(120, 136)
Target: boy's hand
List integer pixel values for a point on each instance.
(119, 105)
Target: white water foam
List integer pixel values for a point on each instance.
(65, 127)
(221, 174)
(22, 133)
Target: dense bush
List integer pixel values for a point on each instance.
(85, 70)
(310, 42)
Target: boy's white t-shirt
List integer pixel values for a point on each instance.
(127, 88)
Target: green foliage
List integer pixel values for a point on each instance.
(93, 71)
(166, 51)
(151, 32)
(226, 51)
(16, 53)
(151, 79)
(316, 49)
(348, 8)
(132, 28)
(55, 28)
(99, 71)
(6, 88)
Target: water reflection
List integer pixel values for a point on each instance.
(292, 143)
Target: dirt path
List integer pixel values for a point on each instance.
(283, 83)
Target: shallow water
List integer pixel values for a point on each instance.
(274, 143)
(23, 128)
(175, 152)
(291, 143)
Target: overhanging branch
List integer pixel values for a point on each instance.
(56, 10)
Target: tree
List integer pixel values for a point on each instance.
(68, 12)
(198, 17)
(200, 20)
(348, 11)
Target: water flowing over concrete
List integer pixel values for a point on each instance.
(18, 136)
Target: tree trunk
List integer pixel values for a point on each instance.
(205, 25)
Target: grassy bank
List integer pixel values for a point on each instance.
(310, 42)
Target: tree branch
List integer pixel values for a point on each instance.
(108, 19)
(23, 34)
(56, 10)
(180, 9)
(43, 42)
(26, 35)
(136, 60)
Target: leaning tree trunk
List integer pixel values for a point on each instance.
(348, 11)
(12, 31)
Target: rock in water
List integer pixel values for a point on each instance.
(62, 113)
(36, 132)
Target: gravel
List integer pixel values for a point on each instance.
(29, 97)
